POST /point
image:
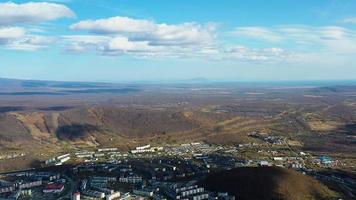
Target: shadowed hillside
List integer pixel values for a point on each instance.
(76, 131)
(268, 183)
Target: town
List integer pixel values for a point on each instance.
(157, 172)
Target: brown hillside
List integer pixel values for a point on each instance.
(268, 183)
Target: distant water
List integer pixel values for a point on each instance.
(322, 83)
(285, 83)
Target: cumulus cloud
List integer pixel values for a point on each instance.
(17, 38)
(182, 34)
(144, 38)
(25, 15)
(125, 45)
(112, 45)
(114, 25)
(32, 12)
(146, 30)
(121, 45)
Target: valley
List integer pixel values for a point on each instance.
(318, 119)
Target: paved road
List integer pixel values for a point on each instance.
(72, 187)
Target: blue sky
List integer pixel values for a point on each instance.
(151, 40)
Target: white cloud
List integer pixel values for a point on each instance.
(58, 1)
(147, 39)
(8, 34)
(334, 39)
(30, 43)
(87, 39)
(182, 34)
(84, 43)
(123, 44)
(32, 12)
(283, 33)
(120, 45)
(265, 55)
(114, 46)
(350, 20)
(312, 35)
(17, 38)
(146, 30)
(114, 25)
(144, 38)
(257, 32)
(332, 33)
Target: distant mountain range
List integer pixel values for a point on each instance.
(198, 80)
(35, 87)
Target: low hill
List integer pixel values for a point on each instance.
(268, 183)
